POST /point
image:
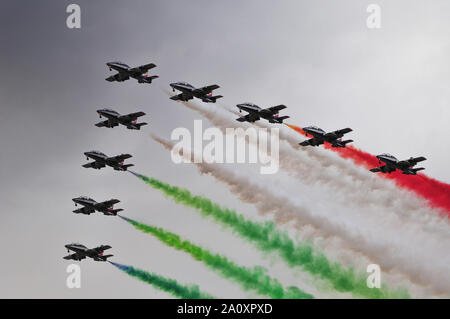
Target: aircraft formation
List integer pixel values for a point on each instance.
(189, 92)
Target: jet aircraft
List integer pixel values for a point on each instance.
(81, 252)
(90, 206)
(255, 113)
(188, 92)
(125, 72)
(392, 164)
(101, 160)
(320, 136)
(114, 119)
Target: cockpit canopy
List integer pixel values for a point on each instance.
(110, 111)
(252, 105)
(315, 128)
(85, 198)
(97, 152)
(77, 244)
(386, 155)
(122, 64)
(185, 84)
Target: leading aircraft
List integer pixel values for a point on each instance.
(114, 119)
(188, 92)
(392, 164)
(81, 252)
(90, 206)
(101, 160)
(320, 136)
(125, 72)
(255, 113)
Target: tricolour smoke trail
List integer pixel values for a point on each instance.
(166, 284)
(250, 279)
(350, 182)
(435, 192)
(269, 239)
(388, 249)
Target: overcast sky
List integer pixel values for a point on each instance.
(391, 85)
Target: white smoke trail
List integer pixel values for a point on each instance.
(409, 253)
(351, 184)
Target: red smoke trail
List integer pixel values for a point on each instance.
(437, 193)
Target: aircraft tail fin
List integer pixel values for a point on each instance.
(346, 142)
(304, 143)
(341, 143)
(124, 167)
(413, 171)
(279, 119)
(140, 124)
(136, 126)
(147, 79)
(105, 257)
(282, 118)
(114, 211)
(214, 98)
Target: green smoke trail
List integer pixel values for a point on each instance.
(254, 279)
(166, 284)
(270, 239)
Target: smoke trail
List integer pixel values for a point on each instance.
(166, 284)
(390, 251)
(355, 185)
(435, 192)
(269, 239)
(254, 279)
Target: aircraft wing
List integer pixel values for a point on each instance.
(102, 124)
(84, 210)
(131, 116)
(415, 160)
(74, 256)
(342, 132)
(182, 97)
(107, 203)
(107, 123)
(143, 68)
(207, 89)
(101, 248)
(111, 78)
(383, 169)
(120, 158)
(94, 165)
(312, 141)
(275, 109)
(251, 117)
(118, 77)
